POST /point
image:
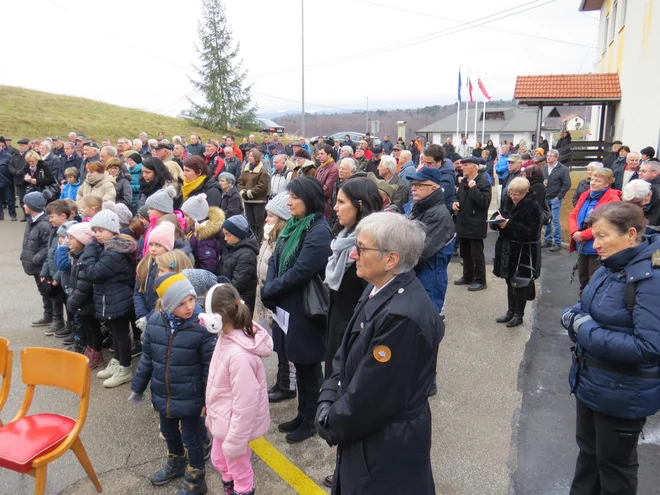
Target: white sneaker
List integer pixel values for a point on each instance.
(109, 370)
(122, 375)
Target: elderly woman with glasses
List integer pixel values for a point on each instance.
(518, 250)
(375, 405)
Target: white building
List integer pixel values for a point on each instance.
(573, 122)
(511, 124)
(629, 44)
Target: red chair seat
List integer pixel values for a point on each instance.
(30, 437)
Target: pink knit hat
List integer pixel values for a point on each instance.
(82, 232)
(163, 234)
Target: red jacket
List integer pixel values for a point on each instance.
(573, 227)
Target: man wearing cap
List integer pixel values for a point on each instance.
(396, 153)
(91, 154)
(610, 159)
(429, 208)
(164, 152)
(474, 195)
(6, 183)
(515, 170)
(18, 168)
(10, 149)
(372, 165)
(58, 147)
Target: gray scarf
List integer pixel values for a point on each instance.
(339, 261)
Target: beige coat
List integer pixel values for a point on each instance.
(105, 189)
(260, 312)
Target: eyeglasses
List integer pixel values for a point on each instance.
(359, 249)
(417, 185)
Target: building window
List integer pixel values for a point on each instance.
(613, 16)
(606, 31)
(624, 5)
(494, 115)
(506, 137)
(611, 21)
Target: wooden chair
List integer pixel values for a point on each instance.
(29, 443)
(6, 357)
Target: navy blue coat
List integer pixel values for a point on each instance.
(305, 342)
(145, 302)
(177, 363)
(617, 339)
(81, 289)
(111, 268)
(74, 161)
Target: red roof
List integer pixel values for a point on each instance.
(568, 87)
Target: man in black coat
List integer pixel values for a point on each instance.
(515, 170)
(623, 175)
(17, 169)
(53, 161)
(557, 184)
(650, 172)
(71, 158)
(474, 195)
(91, 154)
(58, 147)
(608, 161)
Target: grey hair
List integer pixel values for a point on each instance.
(594, 165)
(164, 141)
(137, 141)
(282, 156)
(46, 144)
(229, 178)
(177, 140)
(350, 163)
(110, 150)
(144, 134)
(348, 150)
(634, 153)
(70, 144)
(636, 189)
(653, 164)
(554, 152)
(405, 156)
(519, 184)
(152, 143)
(392, 232)
(124, 140)
(389, 162)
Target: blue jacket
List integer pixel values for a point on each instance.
(502, 166)
(145, 302)
(448, 183)
(111, 268)
(615, 345)
(70, 191)
(407, 170)
(177, 363)
(6, 178)
(81, 290)
(136, 173)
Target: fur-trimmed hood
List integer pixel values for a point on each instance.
(655, 259)
(212, 226)
(122, 244)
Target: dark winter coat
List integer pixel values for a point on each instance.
(448, 182)
(305, 342)
(619, 175)
(400, 197)
(177, 364)
(520, 237)
(431, 268)
(196, 149)
(81, 288)
(473, 214)
(83, 173)
(43, 175)
(136, 173)
(340, 312)
(111, 267)
(652, 211)
(54, 163)
(505, 185)
(73, 161)
(145, 302)
(17, 168)
(212, 189)
(610, 160)
(49, 268)
(207, 241)
(387, 146)
(559, 181)
(231, 202)
(63, 263)
(239, 264)
(123, 189)
(35, 244)
(582, 187)
(538, 189)
(615, 367)
(381, 377)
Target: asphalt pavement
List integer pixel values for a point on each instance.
(502, 418)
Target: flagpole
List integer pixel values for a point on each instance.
(476, 113)
(483, 125)
(458, 108)
(467, 108)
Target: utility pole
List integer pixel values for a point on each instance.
(367, 113)
(302, 13)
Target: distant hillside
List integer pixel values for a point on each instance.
(33, 114)
(416, 118)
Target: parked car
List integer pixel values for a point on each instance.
(355, 137)
(266, 125)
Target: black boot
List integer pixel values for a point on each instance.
(194, 482)
(273, 388)
(65, 331)
(175, 468)
(515, 321)
(57, 326)
(505, 318)
(228, 486)
(44, 321)
(289, 426)
(251, 492)
(280, 395)
(511, 303)
(519, 303)
(303, 432)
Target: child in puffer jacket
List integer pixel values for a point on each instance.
(204, 231)
(176, 356)
(236, 394)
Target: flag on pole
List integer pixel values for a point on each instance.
(483, 90)
(470, 89)
(459, 85)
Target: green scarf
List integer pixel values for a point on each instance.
(292, 237)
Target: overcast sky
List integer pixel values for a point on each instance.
(140, 53)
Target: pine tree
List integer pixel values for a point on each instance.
(226, 100)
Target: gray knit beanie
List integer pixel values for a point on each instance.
(172, 288)
(196, 207)
(278, 206)
(162, 200)
(35, 201)
(201, 280)
(106, 219)
(64, 228)
(238, 226)
(121, 210)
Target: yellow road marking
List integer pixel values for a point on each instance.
(284, 468)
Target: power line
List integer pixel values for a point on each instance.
(425, 14)
(415, 41)
(307, 103)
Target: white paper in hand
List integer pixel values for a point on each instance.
(281, 317)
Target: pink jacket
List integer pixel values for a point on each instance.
(236, 392)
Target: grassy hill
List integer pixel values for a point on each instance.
(34, 114)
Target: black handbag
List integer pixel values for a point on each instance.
(520, 282)
(316, 298)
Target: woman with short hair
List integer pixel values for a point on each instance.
(252, 185)
(97, 182)
(305, 166)
(584, 184)
(155, 177)
(582, 239)
(375, 405)
(518, 249)
(616, 331)
(197, 180)
(231, 202)
(38, 174)
(300, 255)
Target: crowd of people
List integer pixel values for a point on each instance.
(190, 256)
